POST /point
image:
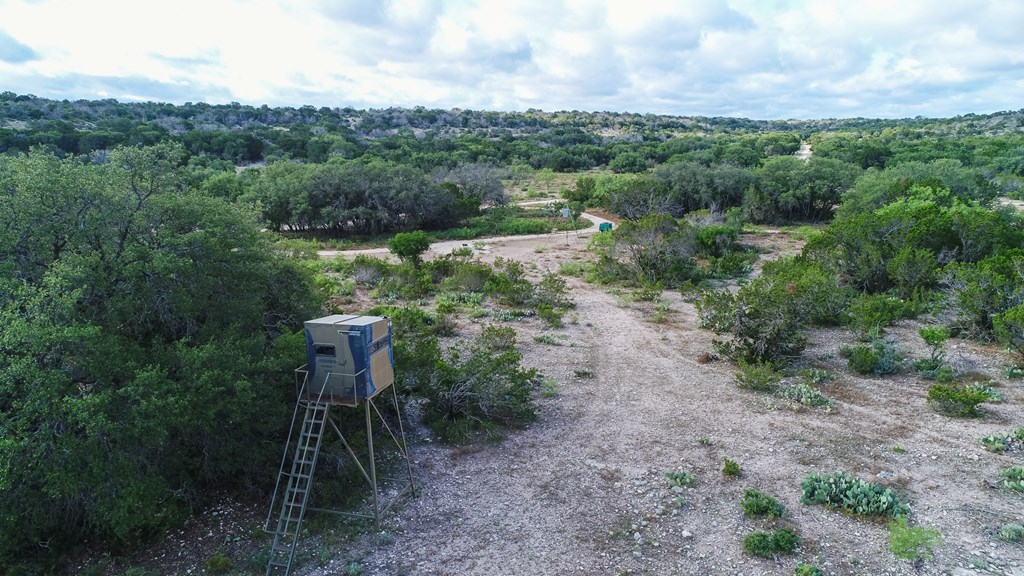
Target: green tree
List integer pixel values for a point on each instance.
(631, 162)
(410, 246)
(142, 328)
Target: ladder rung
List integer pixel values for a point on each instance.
(310, 435)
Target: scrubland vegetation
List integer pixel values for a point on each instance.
(156, 264)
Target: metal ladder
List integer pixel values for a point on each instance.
(300, 479)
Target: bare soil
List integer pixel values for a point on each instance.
(583, 490)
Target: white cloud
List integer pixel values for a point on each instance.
(761, 58)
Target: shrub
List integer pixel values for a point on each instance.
(982, 291)
(406, 281)
(551, 316)
(509, 285)
(806, 570)
(871, 313)
(757, 375)
(714, 240)
(354, 569)
(1013, 478)
(934, 367)
(578, 269)
(648, 293)
(368, 270)
(551, 290)
(956, 400)
(1009, 328)
(821, 301)
(770, 544)
(547, 339)
(731, 265)
(757, 503)
(446, 325)
(912, 542)
(817, 376)
(854, 495)
(679, 478)
(656, 248)
(1011, 532)
(219, 564)
(466, 276)
(912, 269)
(878, 358)
(730, 467)
(1013, 372)
(410, 246)
(474, 389)
(764, 319)
(498, 338)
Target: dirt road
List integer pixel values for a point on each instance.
(485, 244)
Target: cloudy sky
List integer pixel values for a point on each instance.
(766, 59)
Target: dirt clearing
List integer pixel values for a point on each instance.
(583, 491)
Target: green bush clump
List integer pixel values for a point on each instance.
(552, 291)
(871, 313)
(757, 375)
(551, 316)
(219, 564)
(986, 292)
(655, 248)
(410, 246)
(934, 367)
(369, 270)
(715, 240)
(459, 299)
(957, 400)
(770, 544)
(509, 285)
(806, 570)
(479, 388)
(1011, 532)
(732, 265)
(458, 275)
(577, 269)
(912, 542)
(679, 478)
(854, 495)
(765, 319)
(757, 503)
(446, 325)
(731, 468)
(878, 358)
(1013, 478)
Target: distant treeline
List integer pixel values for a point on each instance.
(427, 139)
